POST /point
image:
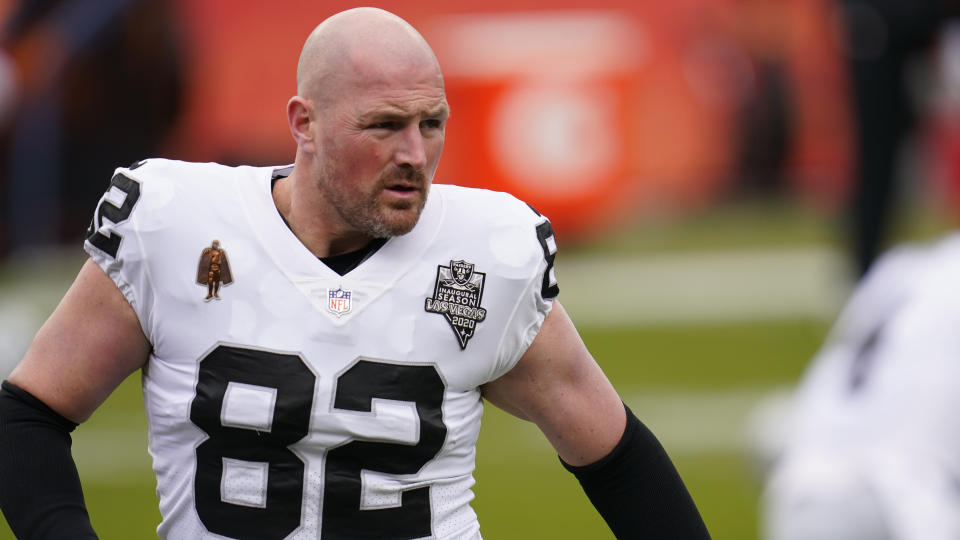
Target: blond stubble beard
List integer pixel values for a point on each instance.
(367, 214)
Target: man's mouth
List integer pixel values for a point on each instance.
(403, 192)
(406, 186)
(403, 188)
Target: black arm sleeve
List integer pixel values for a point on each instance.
(40, 492)
(638, 491)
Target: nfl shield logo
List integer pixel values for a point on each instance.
(338, 301)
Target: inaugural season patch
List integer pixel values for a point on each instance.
(457, 297)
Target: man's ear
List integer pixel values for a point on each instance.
(300, 119)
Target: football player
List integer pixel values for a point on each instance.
(335, 390)
(873, 444)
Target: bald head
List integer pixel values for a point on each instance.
(358, 41)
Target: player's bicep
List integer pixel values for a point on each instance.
(558, 386)
(88, 346)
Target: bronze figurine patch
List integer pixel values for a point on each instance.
(214, 270)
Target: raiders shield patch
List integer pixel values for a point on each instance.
(457, 297)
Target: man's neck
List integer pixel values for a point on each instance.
(306, 225)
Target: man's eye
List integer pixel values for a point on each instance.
(384, 125)
(432, 123)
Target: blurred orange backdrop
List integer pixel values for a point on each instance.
(594, 112)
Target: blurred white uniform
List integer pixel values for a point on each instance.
(305, 404)
(874, 445)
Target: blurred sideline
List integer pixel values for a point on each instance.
(704, 286)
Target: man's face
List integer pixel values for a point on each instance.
(380, 139)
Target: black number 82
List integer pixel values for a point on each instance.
(278, 513)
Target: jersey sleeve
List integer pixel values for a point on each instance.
(536, 298)
(113, 240)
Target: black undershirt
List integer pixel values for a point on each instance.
(345, 262)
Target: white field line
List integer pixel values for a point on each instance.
(720, 286)
(687, 423)
(732, 421)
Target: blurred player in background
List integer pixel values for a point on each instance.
(335, 389)
(884, 37)
(77, 77)
(873, 444)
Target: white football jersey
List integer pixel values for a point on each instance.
(302, 403)
(879, 404)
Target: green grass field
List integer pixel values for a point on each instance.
(693, 383)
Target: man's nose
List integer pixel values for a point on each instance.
(411, 150)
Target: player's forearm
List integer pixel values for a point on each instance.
(40, 492)
(638, 491)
